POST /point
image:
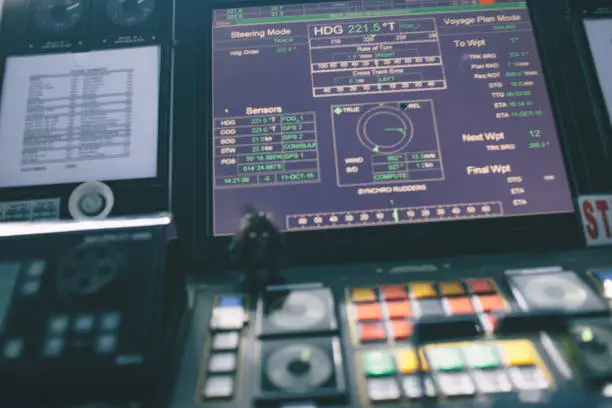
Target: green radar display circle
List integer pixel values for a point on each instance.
(385, 130)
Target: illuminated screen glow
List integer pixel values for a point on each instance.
(347, 114)
(599, 33)
(76, 117)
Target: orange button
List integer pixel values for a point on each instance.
(398, 310)
(487, 1)
(492, 303)
(402, 329)
(368, 311)
(393, 292)
(451, 289)
(372, 332)
(422, 290)
(460, 305)
(481, 285)
(363, 295)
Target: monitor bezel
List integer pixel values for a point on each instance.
(579, 12)
(164, 133)
(364, 244)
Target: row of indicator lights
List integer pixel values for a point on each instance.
(422, 290)
(488, 372)
(450, 357)
(382, 61)
(380, 87)
(389, 214)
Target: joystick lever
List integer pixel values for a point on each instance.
(258, 248)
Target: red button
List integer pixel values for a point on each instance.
(402, 329)
(481, 285)
(394, 292)
(399, 310)
(372, 332)
(368, 311)
(493, 321)
(460, 305)
(492, 303)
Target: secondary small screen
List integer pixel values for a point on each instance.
(76, 117)
(360, 113)
(599, 33)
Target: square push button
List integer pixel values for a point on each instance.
(460, 305)
(445, 358)
(58, 325)
(383, 389)
(492, 381)
(481, 286)
(413, 387)
(227, 318)
(218, 387)
(407, 362)
(431, 307)
(455, 384)
(372, 332)
(481, 356)
(378, 363)
(368, 312)
(396, 292)
(222, 363)
(492, 303)
(519, 352)
(53, 347)
(528, 378)
(402, 329)
(399, 310)
(360, 295)
(231, 301)
(83, 323)
(226, 341)
(451, 289)
(421, 290)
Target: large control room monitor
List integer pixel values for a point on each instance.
(599, 34)
(348, 114)
(73, 117)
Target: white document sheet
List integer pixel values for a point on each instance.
(77, 117)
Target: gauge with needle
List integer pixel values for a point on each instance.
(57, 15)
(128, 13)
(385, 130)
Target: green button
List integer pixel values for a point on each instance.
(482, 356)
(378, 363)
(445, 358)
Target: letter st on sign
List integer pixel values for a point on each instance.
(596, 213)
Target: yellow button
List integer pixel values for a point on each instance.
(407, 361)
(423, 290)
(519, 352)
(364, 295)
(451, 289)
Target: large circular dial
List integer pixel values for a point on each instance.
(385, 130)
(57, 15)
(129, 13)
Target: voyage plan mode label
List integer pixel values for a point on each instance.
(596, 214)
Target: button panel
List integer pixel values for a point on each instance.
(452, 370)
(386, 313)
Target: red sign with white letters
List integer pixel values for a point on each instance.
(596, 213)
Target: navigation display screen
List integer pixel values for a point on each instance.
(77, 117)
(360, 113)
(599, 33)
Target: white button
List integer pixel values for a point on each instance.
(455, 384)
(222, 363)
(226, 341)
(528, 378)
(218, 387)
(110, 321)
(58, 324)
(413, 389)
(13, 348)
(227, 318)
(36, 269)
(492, 381)
(106, 344)
(53, 347)
(83, 323)
(30, 288)
(383, 389)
